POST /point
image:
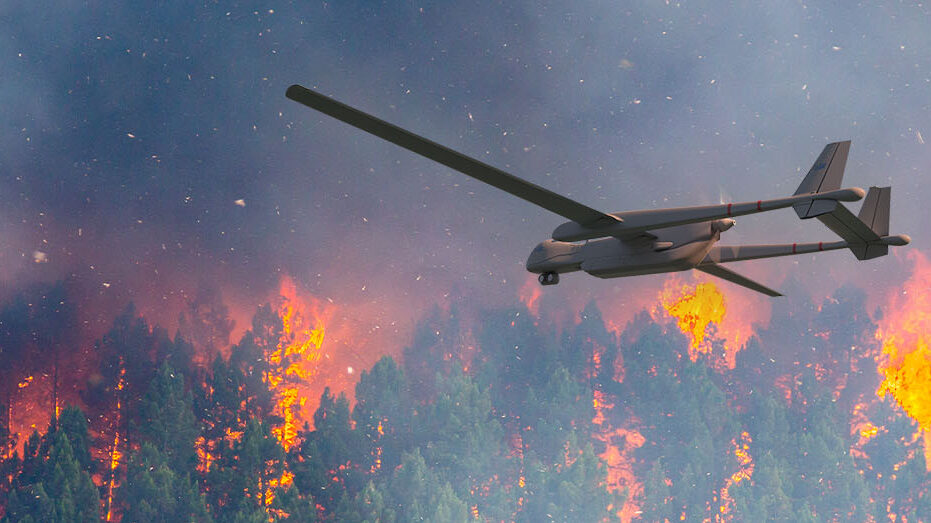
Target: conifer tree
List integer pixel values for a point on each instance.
(155, 492)
(324, 465)
(383, 415)
(166, 420)
(61, 493)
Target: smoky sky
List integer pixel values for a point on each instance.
(130, 130)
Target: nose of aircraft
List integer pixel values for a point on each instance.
(537, 256)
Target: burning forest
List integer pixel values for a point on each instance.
(691, 412)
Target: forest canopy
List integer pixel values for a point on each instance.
(499, 418)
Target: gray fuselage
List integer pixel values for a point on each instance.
(667, 250)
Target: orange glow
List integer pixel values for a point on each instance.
(905, 332)
(701, 313)
(25, 383)
(115, 453)
(530, 293)
(204, 457)
(744, 472)
(619, 444)
(295, 358)
(694, 308)
(863, 430)
(286, 479)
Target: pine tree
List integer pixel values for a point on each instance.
(73, 424)
(573, 492)
(166, 419)
(383, 414)
(61, 493)
(464, 444)
(324, 465)
(154, 492)
(657, 503)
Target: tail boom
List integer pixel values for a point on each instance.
(732, 253)
(632, 223)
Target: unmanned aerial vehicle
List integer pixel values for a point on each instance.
(631, 243)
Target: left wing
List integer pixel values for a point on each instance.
(733, 277)
(571, 209)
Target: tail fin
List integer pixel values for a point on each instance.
(875, 215)
(825, 175)
(875, 210)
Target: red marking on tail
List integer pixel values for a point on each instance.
(820, 246)
(793, 247)
(759, 206)
(729, 208)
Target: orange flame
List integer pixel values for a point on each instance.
(744, 472)
(694, 308)
(618, 457)
(295, 358)
(701, 313)
(529, 294)
(115, 453)
(905, 363)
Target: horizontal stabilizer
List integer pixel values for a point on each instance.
(864, 231)
(733, 277)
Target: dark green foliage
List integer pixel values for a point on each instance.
(240, 482)
(568, 493)
(383, 414)
(60, 490)
(73, 424)
(464, 443)
(154, 492)
(502, 431)
(414, 492)
(325, 467)
(658, 502)
(166, 420)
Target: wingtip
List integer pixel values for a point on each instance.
(293, 90)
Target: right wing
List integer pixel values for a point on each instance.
(495, 177)
(733, 277)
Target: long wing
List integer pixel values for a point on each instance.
(733, 277)
(480, 171)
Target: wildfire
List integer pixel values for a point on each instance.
(618, 457)
(905, 363)
(115, 453)
(295, 358)
(744, 472)
(701, 313)
(862, 430)
(529, 295)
